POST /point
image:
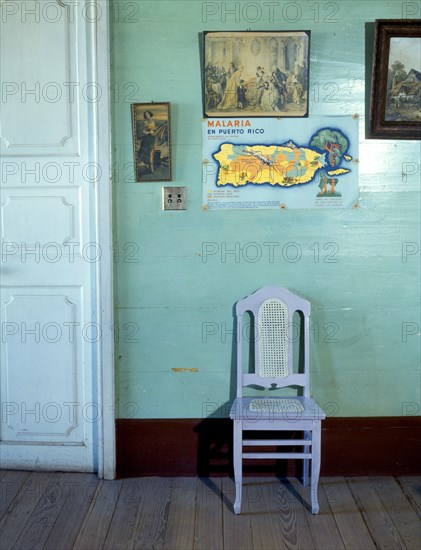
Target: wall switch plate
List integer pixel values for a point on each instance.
(174, 198)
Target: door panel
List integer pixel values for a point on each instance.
(32, 206)
(40, 73)
(42, 323)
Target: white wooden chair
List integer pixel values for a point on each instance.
(274, 333)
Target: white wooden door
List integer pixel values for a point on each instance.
(52, 410)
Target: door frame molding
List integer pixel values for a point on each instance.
(105, 440)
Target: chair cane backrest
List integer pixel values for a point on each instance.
(273, 334)
(272, 339)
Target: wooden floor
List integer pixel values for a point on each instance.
(77, 511)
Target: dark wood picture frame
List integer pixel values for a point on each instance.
(255, 73)
(152, 141)
(395, 87)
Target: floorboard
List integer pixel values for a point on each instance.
(411, 486)
(181, 515)
(11, 484)
(79, 490)
(236, 528)
(324, 531)
(71, 511)
(399, 509)
(208, 520)
(347, 515)
(152, 520)
(291, 500)
(375, 514)
(126, 516)
(263, 499)
(42, 518)
(14, 520)
(95, 528)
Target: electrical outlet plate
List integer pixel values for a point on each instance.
(174, 198)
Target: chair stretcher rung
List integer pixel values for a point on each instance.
(291, 442)
(277, 455)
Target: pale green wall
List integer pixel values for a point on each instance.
(170, 293)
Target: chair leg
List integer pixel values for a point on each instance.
(238, 467)
(306, 461)
(315, 466)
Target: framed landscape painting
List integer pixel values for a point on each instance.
(256, 74)
(152, 141)
(395, 107)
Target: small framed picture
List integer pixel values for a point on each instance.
(256, 74)
(395, 106)
(152, 141)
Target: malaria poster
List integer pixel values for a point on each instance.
(256, 163)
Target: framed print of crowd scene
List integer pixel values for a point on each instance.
(256, 74)
(152, 141)
(395, 109)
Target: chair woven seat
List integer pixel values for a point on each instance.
(276, 405)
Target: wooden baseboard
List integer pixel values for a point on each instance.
(190, 447)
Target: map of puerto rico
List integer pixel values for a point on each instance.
(278, 164)
(284, 165)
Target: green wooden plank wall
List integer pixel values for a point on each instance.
(174, 304)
